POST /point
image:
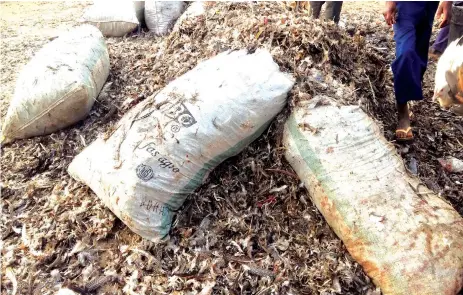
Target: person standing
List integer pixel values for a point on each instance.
(441, 42)
(442, 39)
(456, 24)
(332, 10)
(412, 24)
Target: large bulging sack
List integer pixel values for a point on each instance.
(59, 84)
(160, 16)
(164, 148)
(408, 240)
(114, 19)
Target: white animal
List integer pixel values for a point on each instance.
(448, 90)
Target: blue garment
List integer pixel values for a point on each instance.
(442, 39)
(412, 32)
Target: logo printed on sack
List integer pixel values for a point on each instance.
(175, 128)
(180, 114)
(145, 172)
(177, 112)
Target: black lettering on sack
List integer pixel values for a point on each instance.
(175, 128)
(152, 151)
(177, 112)
(150, 148)
(144, 114)
(180, 114)
(155, 207)
(186, 120)
(163, 162)
(144, 172)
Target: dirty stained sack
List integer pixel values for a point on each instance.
(160, 16)
(165, 147)
(114, 19)
(407, 239)
(59, 85)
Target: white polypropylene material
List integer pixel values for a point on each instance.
(197, 8)
(160, 16)
(59, 84)
(408, 240)
(114, 19)
(164, 148)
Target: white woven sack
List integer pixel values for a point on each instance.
(59, 84)
(407, 239)
(160, 16)
(114, 19)
(164, 148)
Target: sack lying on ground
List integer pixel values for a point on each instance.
(160, 16)
(164, 148)
(407, 239)
(59, 84)
(114, 19)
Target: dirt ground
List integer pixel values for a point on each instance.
(230, 237)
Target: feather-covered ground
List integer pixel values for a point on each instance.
(251, 228)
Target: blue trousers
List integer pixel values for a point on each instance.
(412, 32)
(442, 39)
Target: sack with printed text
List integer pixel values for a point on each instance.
(165, 147)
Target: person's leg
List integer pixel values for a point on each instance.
(333, 11)
(406, 67)
(423, 35)
(456, 25)
(315, 8)
(441, 41)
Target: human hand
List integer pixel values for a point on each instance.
(390, 12)
(444, 13)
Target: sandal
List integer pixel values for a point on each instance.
(404, 135)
